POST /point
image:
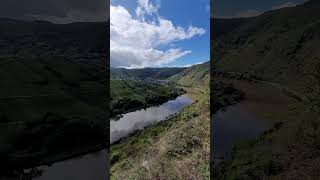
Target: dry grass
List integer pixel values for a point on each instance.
(180, 151)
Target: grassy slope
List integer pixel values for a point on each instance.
(153, 73)
(137, 90)
(197, 75)
(36, 85)
(288, 150)
(51, 89)
(279, 46)
(175, 149)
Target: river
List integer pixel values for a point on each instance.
(89, 166)
(140, 119)
(247, 119)
(94, 165)
(231, 125)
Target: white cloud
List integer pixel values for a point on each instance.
(145, 8)
(137, 42)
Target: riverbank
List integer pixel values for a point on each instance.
(88, 166)
(287, 150)
(129, 123)
(51, 139)
(246, 118)
(262, 99)
(50, 160)
(130, 95)
(152, 102)
(173, 149)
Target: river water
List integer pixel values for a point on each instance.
(94, 165)
(140, 119)
(89, 166)
(234, 124)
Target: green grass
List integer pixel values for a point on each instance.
(281, 48)
(137, 90)
(129, 95)
(179, 144)
(177, 148)
(289, 150)
(145, 73)
(67, 92)
(53, 91)
(197, 75)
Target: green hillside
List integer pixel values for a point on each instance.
(129, 94)
(278, 46)
(197, 75)
(151, 73)
(53, 91)
(177, 148)
(222, 27)
(45, 38)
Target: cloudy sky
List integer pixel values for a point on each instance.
(59, 11)
(248, 8)
(158, 33)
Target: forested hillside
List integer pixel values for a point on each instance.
(54, 81)
(278, 46)
(279, 51)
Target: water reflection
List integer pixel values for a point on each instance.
(90, 166)
(231, 125)
(133, 121)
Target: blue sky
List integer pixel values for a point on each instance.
(196, 13)
(182, 13)
(238, 8)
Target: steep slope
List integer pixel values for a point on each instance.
(128, 95)
(133, 89)
(53, 87)
(279, 46)
(194, 76)
(145, 73)
(221, 27)
(45, 38)
(177, 148)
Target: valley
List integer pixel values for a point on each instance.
(273, 59)
(179, 143)
(130, 94)
(53, 92)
